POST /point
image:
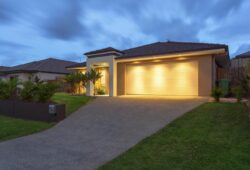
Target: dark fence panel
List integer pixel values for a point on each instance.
(32, 110)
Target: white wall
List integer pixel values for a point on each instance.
(20, 76)
(48, 76)
(110, 60)
(40, 75)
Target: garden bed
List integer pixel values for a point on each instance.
(49, 112)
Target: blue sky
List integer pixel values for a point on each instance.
(65, 29)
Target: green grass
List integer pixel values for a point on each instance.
(72, 102)
(212, 136)
(12, 128)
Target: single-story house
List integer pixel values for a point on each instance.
(45, 70)
(241, 60)
(161, 68)
(1, 69)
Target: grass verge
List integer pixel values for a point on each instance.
(72, 102)
(12, 128)
(212, 136)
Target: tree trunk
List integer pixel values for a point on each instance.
(94, 87)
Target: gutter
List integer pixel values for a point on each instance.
(196, 53)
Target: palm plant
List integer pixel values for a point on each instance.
(71, 80)
(84, 79)
(93, 76)
(78, 79)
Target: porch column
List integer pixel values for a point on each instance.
(90, 86)
(112, 78)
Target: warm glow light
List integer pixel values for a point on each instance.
(156, 61)
(181, 58)
(136, 62)
(102, 83)
(163, 79)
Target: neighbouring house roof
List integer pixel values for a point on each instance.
(241, 60)
(77, 65)
(160, 48)
(50, 65)
(2, 68)
(243, 55)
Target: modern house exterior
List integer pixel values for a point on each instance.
(46, 70)
(161, 68)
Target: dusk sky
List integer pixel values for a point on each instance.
(65, 29)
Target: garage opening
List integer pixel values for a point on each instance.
(170, 78)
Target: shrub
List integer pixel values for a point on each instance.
(72, 80)
(8, 88)
(3, 90)
(238, 93)
(100, 91)
(45, 91)
(29, 90)
(216, 94)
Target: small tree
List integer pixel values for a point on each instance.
(216, 94)
(28, 91)
(238, 93)
(45, 91)
(71, 80)
(93, 76)
(78, 76)
(240, 77)
(84, 79)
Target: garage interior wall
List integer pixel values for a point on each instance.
(204, 75)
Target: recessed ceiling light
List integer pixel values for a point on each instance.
(136, 62)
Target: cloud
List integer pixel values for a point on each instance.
(12, 53)
(68, 28)
(216, 9)
(73, 56)
(9, 44)
(5, 12)
(242, 49)
(175, 29)
(63, 21)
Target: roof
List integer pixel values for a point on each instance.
(103, 50)
(2, 68)
(243, 55)
(169, 47)
(50, 65)
(160, 48)
(77, 65)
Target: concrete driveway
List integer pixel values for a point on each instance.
(94, 134)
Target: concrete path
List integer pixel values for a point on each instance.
(94, 134)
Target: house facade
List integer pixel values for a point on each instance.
(46, 70)
(162, 68)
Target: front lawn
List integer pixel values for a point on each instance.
(72, 102)
(212, 136)
(12, 128)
